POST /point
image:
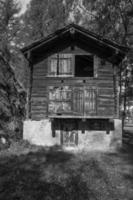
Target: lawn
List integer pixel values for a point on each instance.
(55, 174)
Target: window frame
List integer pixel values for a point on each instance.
(73, 67)
(86, 54)
(71, 74)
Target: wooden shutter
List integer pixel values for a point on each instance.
(78, 101)
(52, 67)
(84, 101)
(60, 65)
(59, 99)
(89, 101)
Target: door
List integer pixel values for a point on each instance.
(78, 101)
(70, 138)
(84, 101)
(69, 133)
(89, 101)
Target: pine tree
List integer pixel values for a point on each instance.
(9, 86)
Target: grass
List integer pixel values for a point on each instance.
(54, 174)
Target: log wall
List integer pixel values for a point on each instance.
(104, 84)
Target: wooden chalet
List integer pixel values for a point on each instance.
(72, 87)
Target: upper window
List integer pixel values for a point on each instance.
(71, 65)
(60, 65)
(84, 66)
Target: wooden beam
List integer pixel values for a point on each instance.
(53, 129)
(115, 91)
(80, 117)
(29, 90)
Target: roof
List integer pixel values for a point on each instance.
(74, 35)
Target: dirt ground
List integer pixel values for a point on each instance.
(55, 174)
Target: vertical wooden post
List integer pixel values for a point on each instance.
(58, 63)
(118, 102)
(29, 91)
(53, 128)
(107, 127)
(76, 134)
(125, 96)
(96, 64)
(83, 125)
(120, 94)
(61, 132)
(76, 138)
(116, 97)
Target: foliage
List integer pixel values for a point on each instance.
(8, 24)
(107, 18)
(44, 17)
(10, 102)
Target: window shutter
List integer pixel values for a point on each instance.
(60, 67)
(96, 65)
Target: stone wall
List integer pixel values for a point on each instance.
(40, 133)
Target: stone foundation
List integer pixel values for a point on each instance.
(100, 140)
(40, 133)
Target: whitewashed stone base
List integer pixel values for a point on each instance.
(99, 140)
(40, 133)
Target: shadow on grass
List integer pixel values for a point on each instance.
(122, 159)
(125, 153)
(129, 177)
(37, 176)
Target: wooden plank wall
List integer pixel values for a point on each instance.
(39, 91)
(103, 83)
(106, 103)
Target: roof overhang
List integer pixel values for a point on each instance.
(74, 35)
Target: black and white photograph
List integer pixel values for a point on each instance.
(66, 99)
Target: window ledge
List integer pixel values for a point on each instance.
(59, 76)
(73, 77)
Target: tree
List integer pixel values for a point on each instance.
(9, 85)
(44, 17)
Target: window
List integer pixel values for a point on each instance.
(59, 99)
(84, 66)
(60, 65)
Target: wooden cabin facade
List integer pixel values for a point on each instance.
(72, 87)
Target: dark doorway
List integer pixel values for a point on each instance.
(84, 66)
(69, 132)
(70, 138)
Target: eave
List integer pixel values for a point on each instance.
(75, 35)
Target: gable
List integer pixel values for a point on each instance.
(75, 36)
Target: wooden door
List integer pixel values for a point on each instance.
(69, 133)
(78, 101)
(70, 138)
(84, 101)
(89, 101)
